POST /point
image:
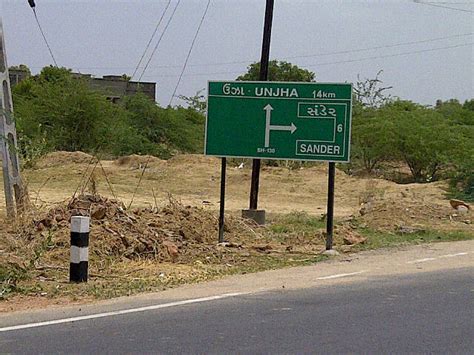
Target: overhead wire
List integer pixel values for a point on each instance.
(190, 51)
(44, 36)
(338, 62)
(151, 38)
(300, 56)
(159, 40)
(441, 6)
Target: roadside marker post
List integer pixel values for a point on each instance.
(79, 264)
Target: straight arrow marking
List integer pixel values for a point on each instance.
(291, 128)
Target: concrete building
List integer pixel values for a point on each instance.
(114, 87)
(17, 75)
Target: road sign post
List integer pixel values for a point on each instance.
(272, 120)
(222, 200)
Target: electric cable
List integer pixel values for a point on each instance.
(338, 62)
(190, 50)
(299, 56)
(159, 41)
(151, 38)
(32, 5)
(441, 6)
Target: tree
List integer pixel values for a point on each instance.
(197, 102)
(373, 135)
(469, 105)
(370, 93)
(278, 71)
(423, 139)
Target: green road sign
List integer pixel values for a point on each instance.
(279, 120)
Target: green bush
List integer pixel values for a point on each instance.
(55, 111)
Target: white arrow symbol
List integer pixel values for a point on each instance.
(269, 127)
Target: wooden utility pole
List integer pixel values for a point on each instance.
(253, 213)
(14, 191)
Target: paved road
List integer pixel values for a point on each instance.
(409, 312)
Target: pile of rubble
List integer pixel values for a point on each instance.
(173, 233)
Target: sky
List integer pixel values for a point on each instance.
(425, 50)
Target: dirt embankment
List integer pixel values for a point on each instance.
(147, 181)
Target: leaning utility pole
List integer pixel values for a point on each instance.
(253, 213)
(14, 191)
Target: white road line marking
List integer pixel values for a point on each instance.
(121, 312)
(452, 255)
(340, 275)
(420, 260)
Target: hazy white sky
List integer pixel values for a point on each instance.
(108, 37)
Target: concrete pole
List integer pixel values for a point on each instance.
(14, 191)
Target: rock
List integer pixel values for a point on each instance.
(172, 249)
(229, 245)
(462, 209)
(330, 252)
(99, 212)
(353, 239)
(457, 203)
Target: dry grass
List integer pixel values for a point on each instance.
(161, 242)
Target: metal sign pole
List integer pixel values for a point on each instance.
(222, 201)
(330, 211)
(8, 145)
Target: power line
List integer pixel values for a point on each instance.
(190, 50)
(299, 56)
(381, 47)
(152, 37)
(159, 40)
(42, 33)
(338, 62)
(442, 6)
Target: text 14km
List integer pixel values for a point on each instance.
(319, 94)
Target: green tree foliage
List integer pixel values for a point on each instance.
(278, 71)
(198, 102)
(180, 129)
(428, 140)
(373, 135)
(423, 139)
(461, 116)
(56, 111)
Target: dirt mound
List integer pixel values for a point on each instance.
(397, 215)
(173, 233)
(135, 161)
(193, 159)
(62, 158)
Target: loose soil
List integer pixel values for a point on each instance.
(154, 222)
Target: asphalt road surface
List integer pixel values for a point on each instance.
(409, 312)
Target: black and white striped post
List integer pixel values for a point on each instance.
(79, 249)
